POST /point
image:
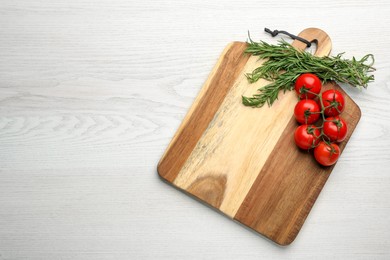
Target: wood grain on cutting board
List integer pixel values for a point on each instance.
(243, 161)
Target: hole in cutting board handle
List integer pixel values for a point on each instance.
(319, 37)
(313, 48)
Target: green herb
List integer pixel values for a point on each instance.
(284, 64)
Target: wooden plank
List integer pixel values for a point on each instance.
(233, 157)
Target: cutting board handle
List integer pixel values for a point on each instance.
(318, 36)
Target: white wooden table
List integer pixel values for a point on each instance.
(92, 91)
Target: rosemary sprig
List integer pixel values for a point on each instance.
(284, 64)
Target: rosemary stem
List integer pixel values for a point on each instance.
(283, 64)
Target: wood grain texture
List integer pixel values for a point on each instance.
(91, 93)
(237, 149)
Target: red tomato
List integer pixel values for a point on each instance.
(326, 154)
(306, 136)
(333, 102)
(307, 111)
(307, 82)
(335, 128)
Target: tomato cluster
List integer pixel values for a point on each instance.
(321, 127)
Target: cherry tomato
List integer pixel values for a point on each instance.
(307, 82)
(334, 101)
(306, 136)
(335, 128)
(307, 111)
(326, 154)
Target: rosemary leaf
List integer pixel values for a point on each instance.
(284, 64)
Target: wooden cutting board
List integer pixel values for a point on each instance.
(243, 161)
